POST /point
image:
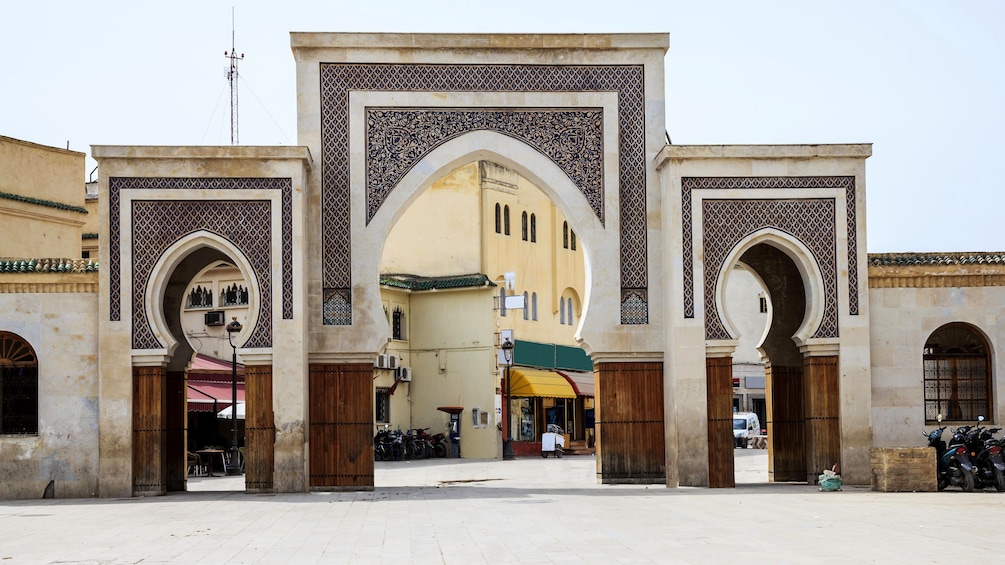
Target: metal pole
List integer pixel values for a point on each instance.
(234, 467)
(508, 454)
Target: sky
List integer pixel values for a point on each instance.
(921, 80)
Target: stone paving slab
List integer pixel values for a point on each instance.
(530, 510)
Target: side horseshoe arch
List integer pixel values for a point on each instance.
(809, 270)
(172, 257)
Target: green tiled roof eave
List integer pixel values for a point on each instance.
(46, 203)
(417, 283)
(47, 265)
(951, 258)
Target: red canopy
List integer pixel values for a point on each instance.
(210, 384)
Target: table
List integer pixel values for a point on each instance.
(206, 455)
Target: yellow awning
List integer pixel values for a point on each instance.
(535, 382)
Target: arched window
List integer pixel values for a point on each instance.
(565, 235)
(533, 228)
(502, 301)
(18, 386)
(570, 316)
(523, 226)
(572, 236)
(498, 218)
(533, 306)
(506, 219)
(526, 306)
(398, 324)
(957, 374)
(561, 311)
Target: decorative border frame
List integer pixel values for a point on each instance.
(284, 185)
(337, 80)
(398, 138)
(689, 184)
(811, 221)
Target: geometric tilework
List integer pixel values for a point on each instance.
(689, 184)
(398, 138)
(809, 220)
(157, 224)
(339, 79)
(116, 184)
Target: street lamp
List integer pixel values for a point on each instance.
(507, 349)
(234, 465)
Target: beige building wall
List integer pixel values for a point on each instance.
(909, 303)
(58, 319)
(41, 200)
(454, 364)
(213, 340)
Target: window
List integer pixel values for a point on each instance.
(498, 218)
(18, 386)
(570, 317)
(523, 226)
(957, 374)
(506, 219)
(234, 295)
(398, 324)
(502, 301)
(572, 237)
(763, 304)
(199, 298)
(533, 228)
(526, 306)
(533, 306)
(382, 406)
(565, 235)
(561, 311)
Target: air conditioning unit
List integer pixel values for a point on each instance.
(215, 318)
(403, 374)
(392, 361)
(380, 362)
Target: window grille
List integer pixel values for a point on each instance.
(957, 374)
(18, 386)
(498, 218)
(533, 228)
(523, 226)
(506, 220)
(398, 324)
(565, 235)
(382, 406)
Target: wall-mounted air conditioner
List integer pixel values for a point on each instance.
(380, 362)
(392, 361)
(215, 318)
(403, 374)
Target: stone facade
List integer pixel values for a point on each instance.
(581, 117)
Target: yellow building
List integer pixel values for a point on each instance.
(478, 235)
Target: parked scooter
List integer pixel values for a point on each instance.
(986, 454)
(953, 464)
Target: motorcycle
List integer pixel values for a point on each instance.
(953, 464)
(986, 453)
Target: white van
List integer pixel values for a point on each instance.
(745, 426)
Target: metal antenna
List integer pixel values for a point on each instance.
(232, 78)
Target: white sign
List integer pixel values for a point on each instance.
(514, 302)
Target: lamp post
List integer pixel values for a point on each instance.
(507, 348)
(234, 465)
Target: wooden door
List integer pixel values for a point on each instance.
(341, 426)
(149, 431)
(259, 429)
(786, 426)
(719, 377)
(823, 427)
(629, 423)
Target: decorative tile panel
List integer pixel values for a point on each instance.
(688, 184)
(339, 79)
(398, 138)
(809, 220)
(116, 184)
(157, 224)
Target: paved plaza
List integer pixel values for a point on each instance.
(531, 510)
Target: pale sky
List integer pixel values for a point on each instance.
(922, 80)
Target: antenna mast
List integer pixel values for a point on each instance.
(232, 78)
